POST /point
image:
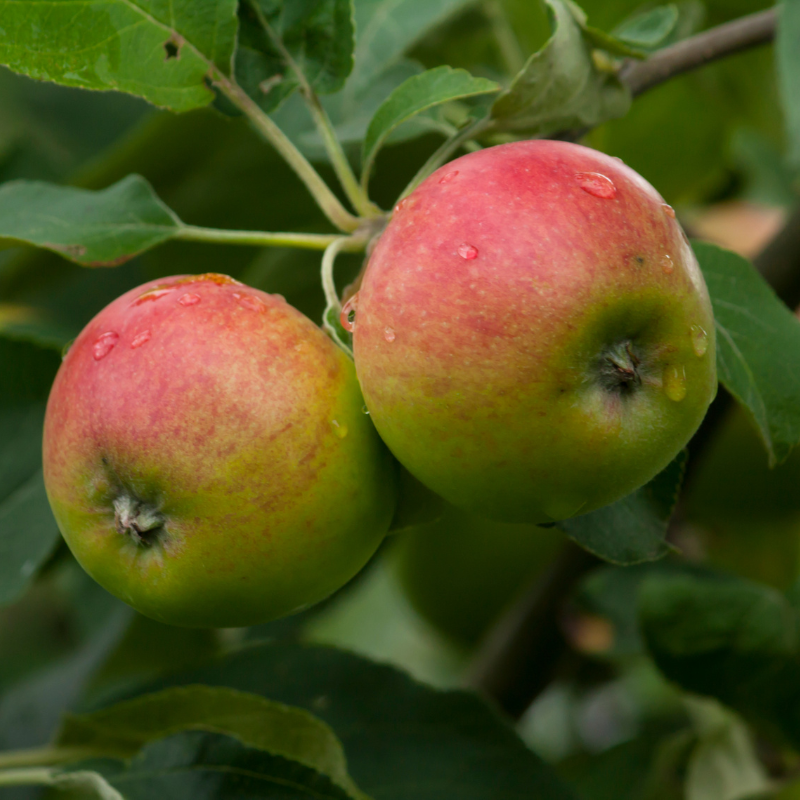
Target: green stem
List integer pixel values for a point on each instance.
(320, 191)
(447, 149)
(306, 241)
(333, 147)
(40, 776)
(43, 756)
(333, 307)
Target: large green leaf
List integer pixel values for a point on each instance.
(758, 346)
(160, 51)
(402, 739)
(28, 534)
(101, 228)
(560, 87)
(318, 36)
(633, 529)
(788, 58)
(120, 731)
(730, 639)
(415, 95)
(208, 766)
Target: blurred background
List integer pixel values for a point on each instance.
(710, 141)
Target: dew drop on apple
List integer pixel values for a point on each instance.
(667, 265)
(468, 251)
(251, 303)
(339, 429)
(189, 299)
(449, 176)
(668, 210)
(699, 341)
(152, 296)
(104, 344)
(389, 334)
(140, 339)
(597, 185)
(348, 316)
(401, 205)
(365, 410)
(674, 382)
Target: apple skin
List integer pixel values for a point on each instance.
(462, 571)
(214, 467)
(529, 346)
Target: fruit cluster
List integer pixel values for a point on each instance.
(533, 339)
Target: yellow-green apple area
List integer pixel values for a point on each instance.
(533, 336)
(207, 457)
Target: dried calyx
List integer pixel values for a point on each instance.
(137, 519)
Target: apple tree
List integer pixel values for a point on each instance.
(400, 399)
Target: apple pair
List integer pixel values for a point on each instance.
(533, 339)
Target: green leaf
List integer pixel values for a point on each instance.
(758, 346)
(788, 60)
(561, 88)
(386, 29)
(160, 51)
(208, 766)
(633, 529)
(120, 731)
(730, 639)
(101, 228)
(28, 534)
(417, 94)
(402, 739)
(649, 29)
(319, 37)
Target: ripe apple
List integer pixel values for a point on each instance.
(207, 458)
(462, 571)
(533, 336)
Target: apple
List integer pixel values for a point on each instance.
(533, 336)
(207, 457)
(460, 572)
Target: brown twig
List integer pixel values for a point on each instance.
(522, 652)
(696, 51)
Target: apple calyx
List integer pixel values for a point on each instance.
(137, 519)
(620, 368)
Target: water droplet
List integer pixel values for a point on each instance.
(674, 381)
(468, 251)
(364, 410)
(140, 339)
(189, 299)
(401, 205)
(667, 264)
(597, 185)
(389, 334)
(449, 176)
(668, 210)
(348, 315)
(253, 303)
(104, 344)
(152, 295)
(699, 341)
(339, 429)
